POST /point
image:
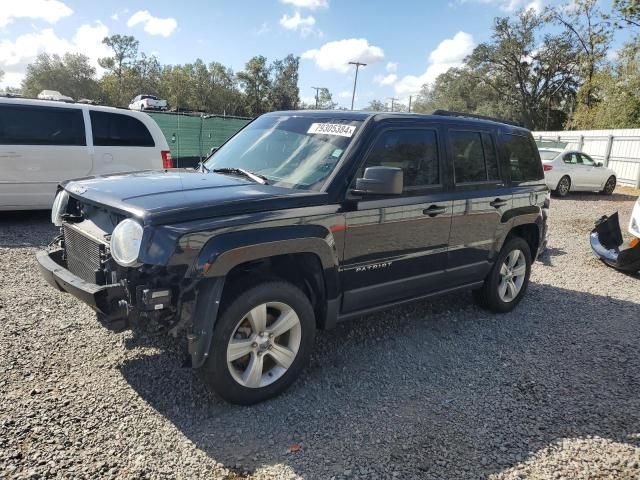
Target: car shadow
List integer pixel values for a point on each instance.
(26, 228)
(549, 253)
(439, 387)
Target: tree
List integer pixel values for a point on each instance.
(617, 90)
(626, 12)
(375, 106)
(125, 53)
(285, 94)
(325, 100)
(176, 87)
(591, 31)
(71, 74)
(256, 84)
(531, 78)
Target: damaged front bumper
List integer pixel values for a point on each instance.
(608, 245)
(106, 300)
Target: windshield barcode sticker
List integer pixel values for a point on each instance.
(332, 129)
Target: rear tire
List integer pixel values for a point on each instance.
(261, 342)
(563, 187)
(508, 279)
(610, 186)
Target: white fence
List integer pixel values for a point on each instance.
(617, 149)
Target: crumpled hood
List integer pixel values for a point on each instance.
(169, 196)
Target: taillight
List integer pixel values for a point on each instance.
(546, 168)
(167, 161)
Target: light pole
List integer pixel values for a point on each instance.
(393, 100)
(317, 89)
(355, 81)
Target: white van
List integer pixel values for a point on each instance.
(45, 142)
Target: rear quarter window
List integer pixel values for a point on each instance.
(32, 125)
(524, 163)
(117, 130)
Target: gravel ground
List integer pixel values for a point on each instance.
(432, 390)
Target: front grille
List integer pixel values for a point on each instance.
(84, 255)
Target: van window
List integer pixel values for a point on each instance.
(523, 160)
(32, 125)
(414, 151)
(474, 156)
(115, 130)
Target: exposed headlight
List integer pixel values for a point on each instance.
(125, 242)
(59, 207)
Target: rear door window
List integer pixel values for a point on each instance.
(116, 130)
(33, 125)
(523, 159)
(474, 156)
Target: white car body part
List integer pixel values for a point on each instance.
(585, 174)
(43, 143)
(54, 95)
(147, 102)
(634, 222)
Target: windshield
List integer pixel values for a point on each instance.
(548, 154)
(287, 150)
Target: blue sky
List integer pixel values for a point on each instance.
(405, 42)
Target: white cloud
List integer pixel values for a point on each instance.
(345, 94)
(511, 6)
(385, 79)
(310, 4)
(11, 79)
(15, 55)
(264, 28)
(392, 67)
(337, 55)
(115, 17)
(48, 10)
(153, 25)
(448, 54)
(298, 22)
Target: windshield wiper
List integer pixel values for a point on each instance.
(241, 171)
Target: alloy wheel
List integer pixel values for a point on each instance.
(264, 344)
(563, 186)
(610, 186)
(512, 275)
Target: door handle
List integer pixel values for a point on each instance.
(434, 210)
(498, 202)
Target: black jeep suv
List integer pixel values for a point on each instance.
(301, 220)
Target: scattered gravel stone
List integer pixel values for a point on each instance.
(433, 390)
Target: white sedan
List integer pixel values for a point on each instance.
(567, 170)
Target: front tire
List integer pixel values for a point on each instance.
(563, 187)
(610, 186)
(261, 342)
(508, 279)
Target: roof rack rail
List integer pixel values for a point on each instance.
(447, 113)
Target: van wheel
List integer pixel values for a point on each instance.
(564, 185)
(261, 342)
(508, 279)
(610, 186)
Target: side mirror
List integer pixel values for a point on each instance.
(598, 164)
(380, 181)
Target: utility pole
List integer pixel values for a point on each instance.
(355, 81)
(410, 97)
(317, 89)
(393, 99)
